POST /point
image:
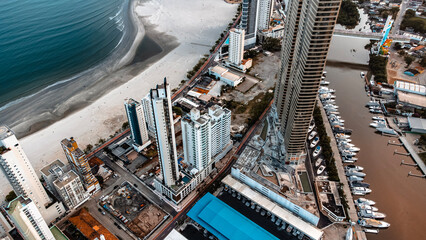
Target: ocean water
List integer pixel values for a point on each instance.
(44, 42)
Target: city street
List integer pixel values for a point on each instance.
(399, 17)
(132, 179)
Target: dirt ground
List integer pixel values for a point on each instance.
(265, 68)
(146, 221)
(396, 67)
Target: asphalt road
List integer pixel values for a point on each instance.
(132, 179)
(399, 17)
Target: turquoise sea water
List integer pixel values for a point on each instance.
(48, 41)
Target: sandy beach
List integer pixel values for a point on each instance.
(180, 28)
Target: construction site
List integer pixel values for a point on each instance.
(128, 206)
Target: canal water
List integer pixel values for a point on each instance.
(400, 197)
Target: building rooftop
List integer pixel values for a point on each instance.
(58, 234)
(412, 99)
(47, 170)
(65, 179)
(19, 200)
(175, 235)
(219, 69)
(225, 222)
(274, 208)
(417, 123)
(89, 226)
(410, 87)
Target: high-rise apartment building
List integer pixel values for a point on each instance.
(196, 138)
(80, 164)
(249, 21)
(28, 220)
(149, 117)
(220, 131)
(265, 9)
(22, 177)
(165, 133)
(309, 27)
(236, 46)
(137, 123)
(69, 187)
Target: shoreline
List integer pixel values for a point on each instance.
(40, 113)
(182, 40)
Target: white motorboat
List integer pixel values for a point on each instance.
(355, 173)
(311, 127)
(378, 124)
(367, 222)
(367, 207)
(386, 130)
(336, 119)
(323, 82)
(348, 160)
(375, 107)
(366, 230)
(346, 144)
(362, 74)
(349, 234)
(355, 179)
(364, 201)
(328, 106)
(376, 111)
(343, 136)
(354, 167)
(362, 189)
(314, 142)
(337, 123)
(344, 140)
(332, 112)
(320, 169)
(318, 162)
(324, 73)
(347, 153)
(378, 118)
(357, 193)
(370, 214)
(317, 151)
(312, 135)
(373, 103)
(335, 116)
(343, 146)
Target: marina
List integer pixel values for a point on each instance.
(402, 198)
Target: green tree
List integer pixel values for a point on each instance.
(409, 59)
(9, 197)
(271, 44)
(397, 46)
(125, 125)
(89, 147)
(177, 110)
(348, 14)
(423, 61)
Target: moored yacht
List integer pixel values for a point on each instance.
(367, 222)
(355, 167)
(364, 201)
(370, 214)
(355, 173)
(318, 162)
